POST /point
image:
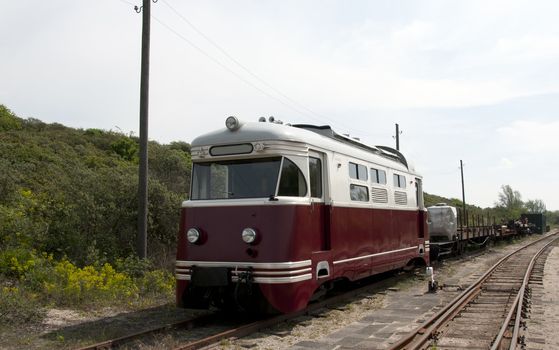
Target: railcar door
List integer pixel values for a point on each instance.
(318, 192)
(421, 208)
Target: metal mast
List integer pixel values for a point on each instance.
(464, 217)
(144, 104)
(397, 137)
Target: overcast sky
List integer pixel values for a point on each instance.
(470, 80)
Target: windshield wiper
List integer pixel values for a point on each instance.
(229, 194)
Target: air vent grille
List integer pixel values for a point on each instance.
(400, 198)
(379, 195)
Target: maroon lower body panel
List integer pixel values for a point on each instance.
(287, 298)
(293, 240)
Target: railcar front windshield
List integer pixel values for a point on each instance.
(246, 178)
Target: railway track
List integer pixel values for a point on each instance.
(489, 313)
(493, 295)
(220, 326)
(182, 324)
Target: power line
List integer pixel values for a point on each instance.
(127, 2)
(238, 76)
(211, 57)
(243, 67)
(300, 107)
(293, 104)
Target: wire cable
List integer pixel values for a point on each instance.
(212, 58)
(299, 107)
(243, 67)
(199, 49)
(127, 2)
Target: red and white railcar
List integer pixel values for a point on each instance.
(278, 212)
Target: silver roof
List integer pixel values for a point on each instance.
(319, 136)
(253, 131)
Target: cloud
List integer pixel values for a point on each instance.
(527, 48)
(506, 163)
(419, 63)
(329, 58)
(458, 76)
(526, 136)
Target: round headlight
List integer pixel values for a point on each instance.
(249, 235)
(232, 123)
(193, 235)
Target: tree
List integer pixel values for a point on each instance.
(552, 217)
(8, 120)
(535, 206)
(69, 192)
(511, 201)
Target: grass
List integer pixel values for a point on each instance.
(31, 283)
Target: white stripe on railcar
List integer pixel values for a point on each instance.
(373, 255)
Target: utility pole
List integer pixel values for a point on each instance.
(464, 217)
(397, 137)
(144, 104)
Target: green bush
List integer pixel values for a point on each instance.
(64, 191)
(157, 282)
(133, 266)
(72, 194)
(126, 148)
(18, 306)
(15, 263)
(22, 223)
(8, 120)
(150, 280)
(62, 283)
(70, 285)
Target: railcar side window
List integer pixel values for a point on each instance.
(315, 173)
(292, 181)
(359, 193)
(378, 176)
(357, 171)
(399, 181)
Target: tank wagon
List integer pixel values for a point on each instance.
(278, 213)
(443, 230)
(449, 234)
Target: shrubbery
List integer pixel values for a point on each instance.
(68, 192)
(19, 306)
(37, 277)
(8, 120)
(71, 285)
(72, 196)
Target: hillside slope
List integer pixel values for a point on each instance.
(73, 192)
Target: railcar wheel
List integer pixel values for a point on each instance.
(250, 300)
(196, 298)
(460, 247)
(321, 291)
(434, 253)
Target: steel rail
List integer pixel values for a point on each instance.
(517, 305)
(429, 327)
(249, 328)
(237, 332)
(253, 327)
(187, 324)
